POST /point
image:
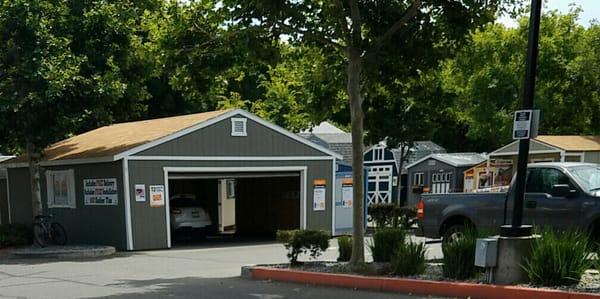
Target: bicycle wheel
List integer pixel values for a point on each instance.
(59, 235)
(40, 235)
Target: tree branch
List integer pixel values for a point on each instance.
(343, 22)
(378, 43)
(356, 35)
(410, 13)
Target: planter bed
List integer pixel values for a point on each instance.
(431, 282)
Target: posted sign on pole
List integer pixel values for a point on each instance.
(525, 125)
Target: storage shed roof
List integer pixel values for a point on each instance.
(116, 140)
(454, 159)
(572, 142)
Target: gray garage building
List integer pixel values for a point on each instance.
(112, 185)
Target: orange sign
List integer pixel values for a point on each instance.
(320, 182)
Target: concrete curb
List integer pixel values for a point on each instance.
(67, 252)
(409, 286)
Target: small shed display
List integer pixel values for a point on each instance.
(552, 148)
(439, 173)
(113, 185)
(382, 175)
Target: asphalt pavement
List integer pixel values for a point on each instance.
(207, 269)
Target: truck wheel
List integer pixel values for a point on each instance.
(453, 233)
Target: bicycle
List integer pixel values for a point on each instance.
(46, 230)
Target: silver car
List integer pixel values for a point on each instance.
(188, 213)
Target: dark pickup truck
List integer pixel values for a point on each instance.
(558, 195)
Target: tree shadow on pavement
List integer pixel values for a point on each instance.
(234, 287)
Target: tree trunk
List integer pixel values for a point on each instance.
(34, 180)
(356, 113)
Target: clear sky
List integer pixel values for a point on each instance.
(591, 10)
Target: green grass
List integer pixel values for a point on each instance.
(344, 248)
(386, 242)
(409, 259)
(459, 256)
(558, 258)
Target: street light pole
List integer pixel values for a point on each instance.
(517, 229)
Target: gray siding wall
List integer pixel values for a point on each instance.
(84, 224)
(428, 170)
(592, 157)
(20, 196)
(149, 224)
(216, 140)
(3, 202)
(91, 224)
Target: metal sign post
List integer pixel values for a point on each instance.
(516, 229)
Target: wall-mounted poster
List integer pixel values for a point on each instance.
(100, 192)
(140, 192)
(347, 196)
(157, 195)
(319, 198)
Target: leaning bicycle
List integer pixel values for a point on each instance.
(46, 230)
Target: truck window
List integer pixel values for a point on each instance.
(541, 180)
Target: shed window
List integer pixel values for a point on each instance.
(418, 179)
(238, 127)
(378, 154)
(60, 187)
(230, 189)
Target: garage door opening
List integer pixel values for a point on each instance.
(213, 206)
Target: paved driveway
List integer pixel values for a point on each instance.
(152, 273)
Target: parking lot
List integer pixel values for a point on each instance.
(153, 273)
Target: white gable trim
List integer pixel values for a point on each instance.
(217, 119)
(434, 156)
(498, 152)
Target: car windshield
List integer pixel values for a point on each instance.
(182, 202)
(588, 177)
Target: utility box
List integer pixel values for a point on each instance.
(486, 252)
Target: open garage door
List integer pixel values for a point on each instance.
(242, 203)
(267, 204)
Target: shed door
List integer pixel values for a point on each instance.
(379, 184)
(440, 183)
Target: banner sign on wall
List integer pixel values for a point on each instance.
(100, 191)
(347, 196)
(157, 195)
(140, 192)
(319, 198)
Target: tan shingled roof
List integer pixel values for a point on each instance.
(110, 140)
(572, 142)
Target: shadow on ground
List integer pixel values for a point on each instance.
(194, 287)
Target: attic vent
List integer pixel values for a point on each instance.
(238, 127)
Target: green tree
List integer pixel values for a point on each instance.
(485, 77)
(201, 60)
(377, 41)
(65, 66)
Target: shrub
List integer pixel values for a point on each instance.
(388, 214)
(15, 235)
(344, 248)
(406, 216)
(382, 213)
(296, 242)
(409, 259)
(558, 258)
(459, 256)
(385, 243)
